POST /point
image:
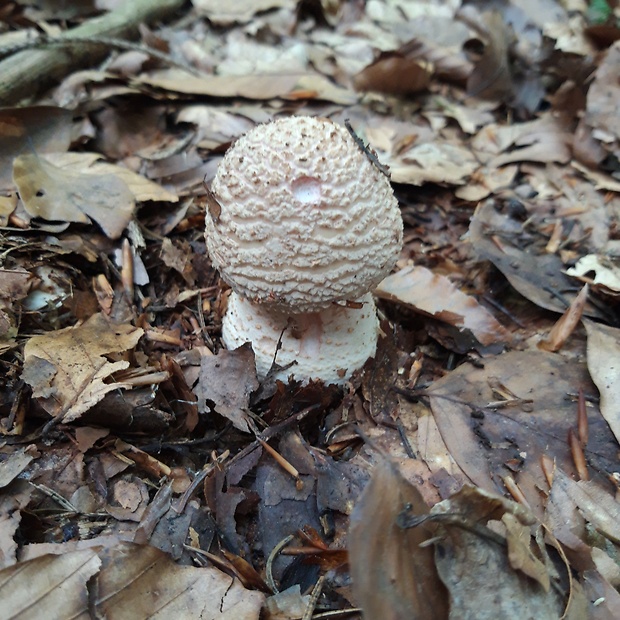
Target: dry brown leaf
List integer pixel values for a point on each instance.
(15, 464)
(49, 586)
(142, 188)
(129, 581)
(51, 193)
(595, 504)
(394, 74)
(265, 86)
(603, 94)
(566, 324)
(475, 566)
(487, 433)
(38, 129)
(520, 554)
(393, 577)
(604, 367)
(435, 295)
(227, 380)
(67, 369)
(434, 162)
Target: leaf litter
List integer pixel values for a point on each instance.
(479, 446)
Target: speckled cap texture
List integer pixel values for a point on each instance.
(306, 219)
(327, 345)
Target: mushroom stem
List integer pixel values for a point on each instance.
(329, 344)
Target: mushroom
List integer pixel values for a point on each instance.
(303, 226)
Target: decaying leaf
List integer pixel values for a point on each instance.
(128, 581)
(490, 574)
(67, 369)
(49, 585)
(227, 380)
(489, 432)
(393, 577)
(604, 367)
(54, 194)
(421, 289)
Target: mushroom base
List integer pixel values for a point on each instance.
(328, 345)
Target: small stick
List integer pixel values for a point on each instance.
(370, 153)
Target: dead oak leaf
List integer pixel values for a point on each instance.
(67, 368)
(436, 296)
(51, 193)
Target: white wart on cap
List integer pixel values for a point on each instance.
(306, 219)
(328, 345)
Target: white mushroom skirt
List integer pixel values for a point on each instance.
(329, 345)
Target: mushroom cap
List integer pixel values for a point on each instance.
(328, 345)
(304, 217)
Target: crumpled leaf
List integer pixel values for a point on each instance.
(479, 571)
(227, 380)
(52, 193)
(432, 294)
(604, 367)
(435, 163)
(67, 368)
(599, 270)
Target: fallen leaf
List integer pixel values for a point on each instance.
(489, 434)
(435, 295)
(51, 584)
(227, 380)
(52, 193)
(599, 270)
(67, 368)
(475, 561)
(604, 367)
(38, 129)
(225, 13)
(393, 576)
(394, 74)
(433, 162)
(265, 86)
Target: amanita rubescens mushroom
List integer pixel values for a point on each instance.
(305, 225)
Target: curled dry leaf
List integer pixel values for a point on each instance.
(67, 369)
(227, 380)
(604, 367)
(52, 193)
(423, 291)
